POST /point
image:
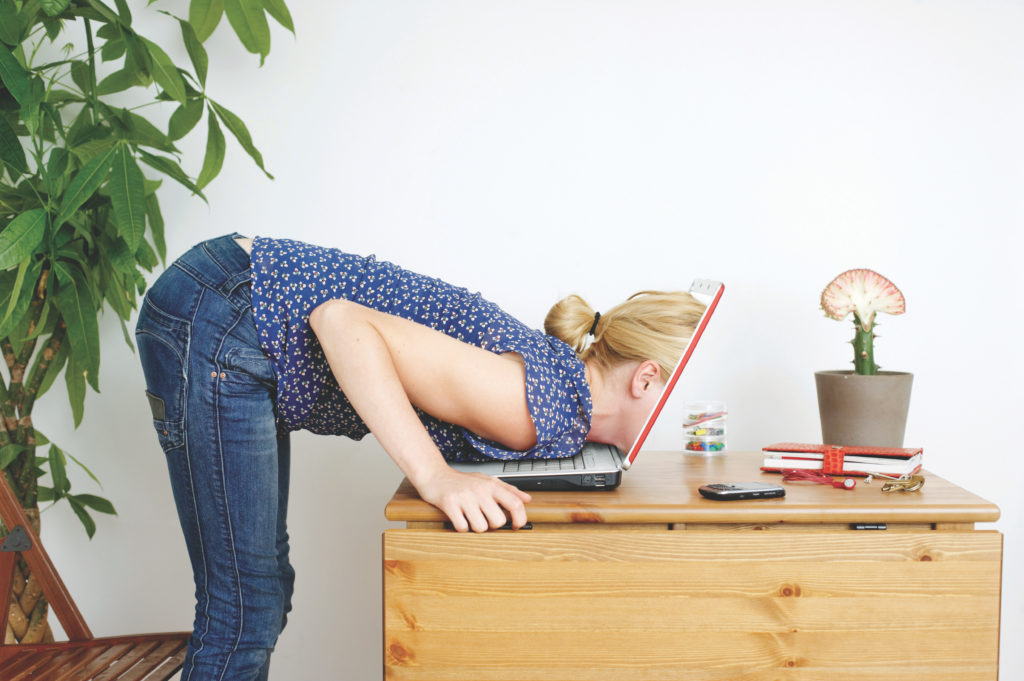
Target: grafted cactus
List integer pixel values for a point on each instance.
(864, 293)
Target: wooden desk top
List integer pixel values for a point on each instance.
(661, 487)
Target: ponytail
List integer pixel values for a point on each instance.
(655, 325)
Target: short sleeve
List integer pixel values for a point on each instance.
(557, 397)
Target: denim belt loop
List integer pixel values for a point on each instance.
(228, 256)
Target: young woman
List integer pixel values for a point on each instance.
(244, 340)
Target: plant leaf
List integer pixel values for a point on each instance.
(31, 99)
(89, 150)
(171, 169)
(84, 184)
(196, 51)
(165, 73)
(124, 12)
(241, 133)
(250, 24)
(139, 130)
(52, 372)
(215, 147)
(105, 12)
(118, 81)
(128, 196)
(76, 305)
(112, 49)
(54, 7)
(11, 24)
(278, 10)
(156, 225)
(14, 77)
(57, 163)
(83, 515)
(18, 299)
(204, 15)
(9, 453)
(11, 151)
(184, 118)
(58, 472)
(74, 381)
(96, 503)
(145, 256)
(19, 239)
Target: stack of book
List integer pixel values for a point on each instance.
(836, 460)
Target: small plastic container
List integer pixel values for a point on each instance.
(704, 428)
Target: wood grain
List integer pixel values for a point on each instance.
(700, 605)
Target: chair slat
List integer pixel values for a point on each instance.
(19, 666)
(127, 658)
(144, 669)
(169, 667)
(132, 656)
(62, 665)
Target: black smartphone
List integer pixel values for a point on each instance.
(727, 491)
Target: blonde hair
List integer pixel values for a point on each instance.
(655, 325)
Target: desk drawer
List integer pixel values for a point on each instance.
(676, 605)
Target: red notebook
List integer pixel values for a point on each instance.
(840, 460)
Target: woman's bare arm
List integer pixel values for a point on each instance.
(385, 364)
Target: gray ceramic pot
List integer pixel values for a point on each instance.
(869, 411)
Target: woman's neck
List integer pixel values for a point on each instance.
(606, 423)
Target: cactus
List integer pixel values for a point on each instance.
(864, 293)
(863, 350)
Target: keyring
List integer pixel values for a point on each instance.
(911, 484)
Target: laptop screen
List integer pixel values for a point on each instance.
(708, 292)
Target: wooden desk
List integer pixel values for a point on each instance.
(652, 581)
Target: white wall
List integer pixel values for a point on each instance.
(532, 149)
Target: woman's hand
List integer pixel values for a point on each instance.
(473, 501)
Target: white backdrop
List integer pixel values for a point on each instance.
(533, 149)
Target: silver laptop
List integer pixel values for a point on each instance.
(598, 466)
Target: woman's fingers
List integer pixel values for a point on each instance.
(512, 499)
(477, 502)
(475, 518)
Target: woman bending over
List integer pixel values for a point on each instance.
(243, 341)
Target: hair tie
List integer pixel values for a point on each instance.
(593, 327)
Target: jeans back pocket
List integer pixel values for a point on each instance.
(163, 340)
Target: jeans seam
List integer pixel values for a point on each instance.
(152, 334)
(201, 643)
(236, 576)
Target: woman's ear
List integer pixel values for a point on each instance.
(645, 378)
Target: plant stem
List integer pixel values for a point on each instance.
(92, 70)
(42, 364)
(8, 416)
(864, 349)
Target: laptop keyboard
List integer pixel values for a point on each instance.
(544, 465)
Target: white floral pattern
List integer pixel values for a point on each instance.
(290, 278)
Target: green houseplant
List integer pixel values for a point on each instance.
(83, 155)
(864, 406)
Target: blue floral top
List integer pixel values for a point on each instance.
(290, 278)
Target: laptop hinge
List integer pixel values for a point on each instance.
(623, 459)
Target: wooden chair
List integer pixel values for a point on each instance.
(146, 657)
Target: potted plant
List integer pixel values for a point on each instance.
(865, 406)
(79, 216)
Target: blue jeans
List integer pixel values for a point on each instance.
(212, 393)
